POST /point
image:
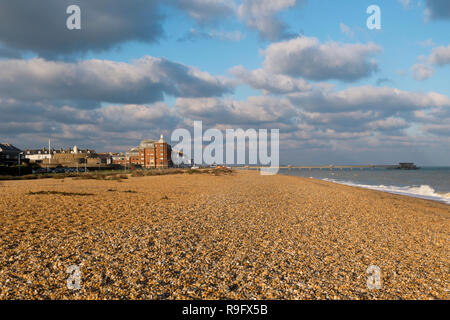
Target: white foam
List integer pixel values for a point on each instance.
(423, 191)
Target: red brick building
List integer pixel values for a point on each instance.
(133, 156)
(155, 154)
(120, 159)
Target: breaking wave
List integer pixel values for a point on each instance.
(423, 191)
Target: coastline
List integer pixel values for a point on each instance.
(239, 236)
(403, 191)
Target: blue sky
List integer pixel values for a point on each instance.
(403, 31)
(337, 91)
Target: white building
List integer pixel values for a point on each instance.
(38, 155)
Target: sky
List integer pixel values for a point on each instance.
(339, 92)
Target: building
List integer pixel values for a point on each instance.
(73, 158)
(120, 159)
(155, 154)
(150, 154)
(9, 155)
(105, 158)
(407, 166)
(133, 156)
(38, 155)
(75, 150)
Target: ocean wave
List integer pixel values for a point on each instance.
(423, 191)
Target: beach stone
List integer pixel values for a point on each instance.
(207, 236)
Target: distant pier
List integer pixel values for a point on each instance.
(400, 166)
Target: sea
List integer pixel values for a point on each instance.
(432, 183)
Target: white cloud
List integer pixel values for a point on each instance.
(144, 80)
(260, 15)
(380, 99)
(206, 11)
(388, 123)
(39, 26)
(440, 56)
(270, 83)
(421, 71)
(308, 58)
(254, 111)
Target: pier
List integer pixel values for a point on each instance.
(400, 166)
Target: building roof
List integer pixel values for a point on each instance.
(38, 151)
(146, 144)
(8, 148)
(133, 152)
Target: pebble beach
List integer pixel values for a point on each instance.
(229, 236)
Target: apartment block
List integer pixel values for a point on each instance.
(155, 154)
